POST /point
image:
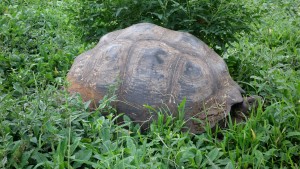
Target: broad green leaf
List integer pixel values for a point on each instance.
(130, 145)
(84, 154)
(186, 156)
(87, 104)
(74, 144)
(270, 153)
(159, 16)
(181, 108)
(33, 140)
(25, 156)
(39, 157)
(124, 163)
(105, 131)
(212, 164)
(18, 87)
(4, 161)
(213, 154)
(198, 157)
(229, 166)
(294, 133)
(259, 155)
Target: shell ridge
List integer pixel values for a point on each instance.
(172, 82)
(123, 72)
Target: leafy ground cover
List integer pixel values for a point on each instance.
(42, 126)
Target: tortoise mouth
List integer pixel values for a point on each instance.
(245, 106)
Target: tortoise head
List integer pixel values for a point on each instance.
(241, 110)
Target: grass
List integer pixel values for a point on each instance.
(42, 126)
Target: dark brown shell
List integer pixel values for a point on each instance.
(158, 67)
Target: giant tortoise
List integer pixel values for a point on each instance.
(158, 67)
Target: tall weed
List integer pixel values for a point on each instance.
(214, 22)
(35, 44)
(266, 62)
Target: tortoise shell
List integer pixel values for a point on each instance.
(158, 67)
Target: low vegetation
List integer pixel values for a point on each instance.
(42, 126)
